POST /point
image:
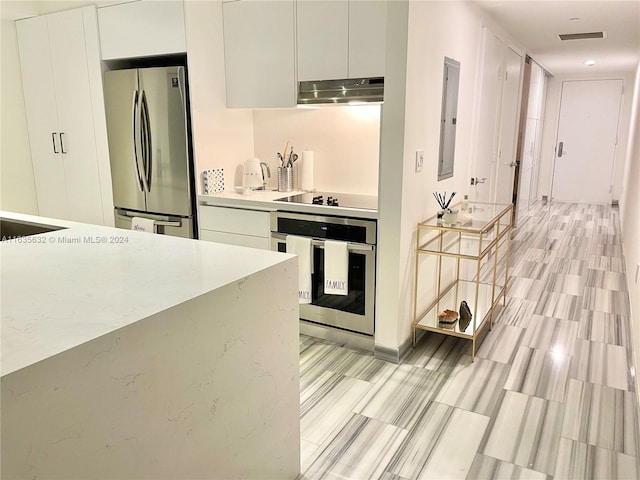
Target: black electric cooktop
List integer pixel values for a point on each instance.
(363, 202)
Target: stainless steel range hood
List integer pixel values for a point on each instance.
(341, 91)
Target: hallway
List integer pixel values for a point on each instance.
(550, 395)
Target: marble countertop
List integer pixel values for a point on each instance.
(265, 200)
(64, 288)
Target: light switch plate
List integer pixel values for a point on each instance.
(419, 160)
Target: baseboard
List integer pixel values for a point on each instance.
(393, 355)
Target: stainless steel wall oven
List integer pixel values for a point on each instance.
(353, 312)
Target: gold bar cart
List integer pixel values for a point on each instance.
(471, 260)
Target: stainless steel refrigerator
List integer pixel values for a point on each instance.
(151, 168)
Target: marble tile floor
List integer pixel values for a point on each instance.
(551, 394)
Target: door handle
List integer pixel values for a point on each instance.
(62, 142)
(560, 149)
(476, 180)
(514, 164)
(53, 140)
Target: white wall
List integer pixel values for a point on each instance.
(223, 138)
(550, 129)
(345, 141)
(391, 177)
(17, 190)
(435, 30)
(630, 218)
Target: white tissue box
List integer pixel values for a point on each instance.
(213, 181)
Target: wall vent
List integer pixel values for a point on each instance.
(582, 36)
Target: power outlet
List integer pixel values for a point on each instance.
(419, 160)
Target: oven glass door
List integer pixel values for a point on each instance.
(354, 311)
(355, 300)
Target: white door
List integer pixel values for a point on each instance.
(505, 166)
(529, 164)
(75, 115)
(540, 84)
(42, 117)
(488, 117)
(586, 141)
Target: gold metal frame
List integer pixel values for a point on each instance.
(477, 229)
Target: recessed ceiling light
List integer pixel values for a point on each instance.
(590, 63)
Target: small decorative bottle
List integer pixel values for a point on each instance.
(465, 204)
(465, 214)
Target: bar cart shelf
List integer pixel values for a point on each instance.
(471, 260)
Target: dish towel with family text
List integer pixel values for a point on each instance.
(301, 246)
(336, 266)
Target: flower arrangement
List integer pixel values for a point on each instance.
(442, 200)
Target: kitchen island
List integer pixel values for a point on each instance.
(132, 355)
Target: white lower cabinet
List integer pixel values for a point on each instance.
(57, 75)
(235, 226)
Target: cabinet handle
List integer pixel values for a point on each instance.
(53, 140)
(62, 143)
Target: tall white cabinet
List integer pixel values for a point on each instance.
(61, 76)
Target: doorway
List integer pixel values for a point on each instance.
(525, 187)
(509, 122)
(488, 120)
(586, 141)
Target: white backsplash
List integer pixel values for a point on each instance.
(345, 141)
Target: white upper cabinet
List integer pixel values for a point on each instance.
(142, 29)
(259, 47)
(57, 74)
(341, 39)
(323, 39)
(367, 38)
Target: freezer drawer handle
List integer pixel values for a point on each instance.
(162, 223)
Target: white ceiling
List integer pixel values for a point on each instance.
(535, 24)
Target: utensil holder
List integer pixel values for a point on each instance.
(287, 179)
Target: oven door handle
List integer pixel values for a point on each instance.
(352, 247)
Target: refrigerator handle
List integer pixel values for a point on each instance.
(146, 139)
(181, 83)
(140, 138)
(134, 127)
